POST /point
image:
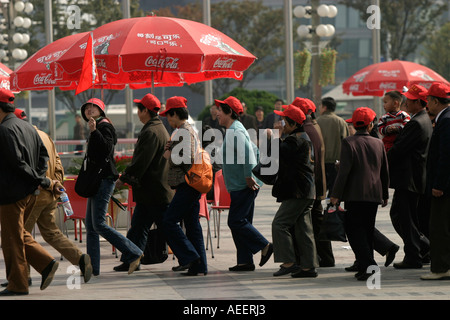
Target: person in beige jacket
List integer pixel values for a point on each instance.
(334, 130)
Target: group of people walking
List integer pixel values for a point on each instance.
(413, 161)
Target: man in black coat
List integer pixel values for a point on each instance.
(407, 171)
(23, 165)
(438, 182)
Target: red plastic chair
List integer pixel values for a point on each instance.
(78, 206)
(221, 203)
(204, 212)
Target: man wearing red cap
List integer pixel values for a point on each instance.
(23, 167)
(438, 182)
(407, 175)
(312, 128)
(295, 189)
(147, 175)
(240, 156)
(363, 183)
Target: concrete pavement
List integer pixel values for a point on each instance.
(159, 282)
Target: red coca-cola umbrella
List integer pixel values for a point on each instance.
(4, 76)
(376, 79)
(152, 51)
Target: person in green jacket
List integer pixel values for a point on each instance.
(147, 175)
(334, 130)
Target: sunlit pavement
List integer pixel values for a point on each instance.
(159, 282)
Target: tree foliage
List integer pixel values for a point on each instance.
(407, 22)
(256, 27)
(438, 51)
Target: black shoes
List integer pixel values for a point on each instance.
(390, 255)
(243, 267)
(7, 293)
(266, 257)
(311, 273)
(353, 267)
(286, 270)
(124, 267)
(48, 274)
(85, 267)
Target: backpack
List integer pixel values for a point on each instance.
(200, 176)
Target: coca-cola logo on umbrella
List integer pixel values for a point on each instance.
(211, 40)
(422, 75)
(163, 63)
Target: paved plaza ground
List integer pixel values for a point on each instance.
(159, 282)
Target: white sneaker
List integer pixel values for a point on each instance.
(436, 276)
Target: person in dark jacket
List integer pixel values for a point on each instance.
(312, 129)
(438, 182)
(147, 175)
(23, 167)
(362, 183)
(295, 189)
(100, 148)
(407, 175)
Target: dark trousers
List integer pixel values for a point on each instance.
(359, 226)
(440, 234)
(246, 237)
(330, 175)
(324, 248)
(187, 247)
(405, 221)
(144, 215)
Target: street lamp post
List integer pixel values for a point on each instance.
(15, 24)
(316, 31)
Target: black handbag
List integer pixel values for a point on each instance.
(269, 179)
(156, 250)
(332, 227)
(89, 178)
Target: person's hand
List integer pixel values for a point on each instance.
(437, 193)
(334, 201)
(167, 154)
(119, 184)
(251, 183)
(92, 124)
(384, 203)
(58, 188)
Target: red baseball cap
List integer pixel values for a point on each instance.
(20, 114)
(363, 117)
(437, 89)
(96, 102)
(349, 120)
(150, 102)
(233, 103)
(306, 105)
(415, 92)
(174, 103)
(292, 112)
(6, 96)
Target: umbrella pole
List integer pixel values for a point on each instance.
(153, 84)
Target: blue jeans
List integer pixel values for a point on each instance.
(246, 237)
(144, 215)
(190, 246)
(96, 226)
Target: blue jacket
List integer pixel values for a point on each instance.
(239, 156)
